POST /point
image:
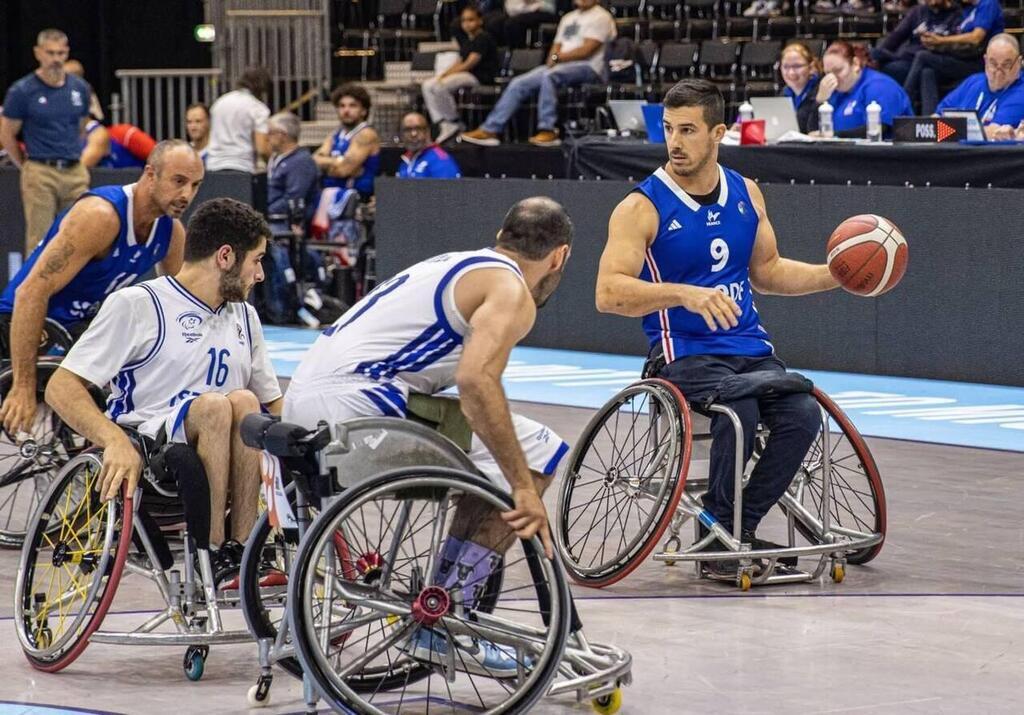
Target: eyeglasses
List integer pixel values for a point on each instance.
(794, 68)
(1001, 66)
(414, 130)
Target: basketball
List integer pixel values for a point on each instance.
(867, 254)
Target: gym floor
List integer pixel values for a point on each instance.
(934, 624)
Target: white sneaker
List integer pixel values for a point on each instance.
(447, 131)
(762, 8)
(477, 657)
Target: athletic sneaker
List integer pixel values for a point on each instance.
(477, 657)
(226, 563)
(480, 137)
(756, 544)
(546, 137)
(448, 130)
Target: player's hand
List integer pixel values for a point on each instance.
(717, 309)
(826, 87)
(121, 461)
(999, 132)
(18, 410)
(529, 518)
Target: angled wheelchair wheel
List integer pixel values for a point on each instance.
(623, 483)
(71, 564)
(29, 462)
(858, 498)
(389, 635)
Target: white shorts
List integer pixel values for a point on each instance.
(171, 421)
(543, 448)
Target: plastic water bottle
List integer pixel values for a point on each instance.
(746, 112)
(825, 120)
(874, 111)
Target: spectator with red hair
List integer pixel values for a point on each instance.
(849, 85)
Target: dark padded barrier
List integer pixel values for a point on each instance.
(956, 315)
(232, 184)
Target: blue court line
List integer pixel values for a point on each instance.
(12, 707)
(936, 411)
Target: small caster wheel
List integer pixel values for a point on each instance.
(194, 662)
(838, 572)
(259, 694)
(745, 582)
(44, 638)
(608, 704)
(671, 547)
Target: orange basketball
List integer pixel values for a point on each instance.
(867, 254)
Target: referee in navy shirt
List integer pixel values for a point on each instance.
(50, 107)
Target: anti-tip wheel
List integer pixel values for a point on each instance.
(838, 573)
(745, 582)
(608, 704)
(194, 662)
(253, 697)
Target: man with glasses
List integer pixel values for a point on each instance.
(422, 158)
(997, 94)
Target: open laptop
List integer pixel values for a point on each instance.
(975, 132)
(778, 114)
(628, 115)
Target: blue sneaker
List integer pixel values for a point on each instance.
(478, 657)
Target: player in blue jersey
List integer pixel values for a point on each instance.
(685, 250)
(111, 237)
(350, 157)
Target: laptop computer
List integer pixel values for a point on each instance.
(778, 114)
(628, 115)
(975, 132)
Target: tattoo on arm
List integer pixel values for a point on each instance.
(58, 261)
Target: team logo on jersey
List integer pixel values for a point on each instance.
(190, 322)
(240, 333)
(742, 208)
(713, 217)
(76, 98)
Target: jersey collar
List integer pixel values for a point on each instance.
(689, 201)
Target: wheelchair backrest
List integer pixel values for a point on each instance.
(366, 446)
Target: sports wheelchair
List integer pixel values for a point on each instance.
(78, 548)
(30, 460)
(628, 481)
(375, 500)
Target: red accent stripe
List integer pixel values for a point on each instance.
(666, 340)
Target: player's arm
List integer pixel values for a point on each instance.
(9, 128)
(97, 146)
(631, 229)
(351, 162)
(263, 380)
(175, 252)
(770, 273)
(87, 231)
(322, 156)
(501, 313)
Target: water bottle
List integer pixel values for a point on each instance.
(825, 120)
(874, 111)
(746, 112)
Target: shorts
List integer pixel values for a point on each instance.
(168, 426)
(543, 448)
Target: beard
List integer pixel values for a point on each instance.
(232, 288)
(697, 168)
(545, 288)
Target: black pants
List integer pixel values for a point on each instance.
(793, 419)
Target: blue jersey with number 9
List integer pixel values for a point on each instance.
(129, 258)
(708, 246)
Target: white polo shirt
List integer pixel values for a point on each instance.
(233, 119)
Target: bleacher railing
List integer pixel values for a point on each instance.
(156, 99)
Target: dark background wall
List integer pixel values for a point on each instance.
(105, 35)
(957, 314)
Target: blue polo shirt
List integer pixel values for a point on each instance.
(1003, 107)
(851, 107)
(50, 116)
(988, 15)
(431, 163)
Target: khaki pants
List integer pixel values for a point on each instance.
(45, 192)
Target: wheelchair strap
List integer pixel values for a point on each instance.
(758, 384)
(442, 414)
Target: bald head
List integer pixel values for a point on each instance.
(74, 67)
(1002, 61)
(176, 150)
(534, 227)
(172, 176)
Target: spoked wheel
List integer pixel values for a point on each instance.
(858, 499)
(624, 481)
(70, 565)
(30, 461)
(396, 633)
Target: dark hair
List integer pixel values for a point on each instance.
(535, 227)
(472, 7)
(850, 52)
(256, 80)
(199, 105)
(223, 222)
(697, 93)
(353, 90)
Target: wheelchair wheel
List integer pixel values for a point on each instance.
(390, 636)
(71, 564)
(858, 499)
(28, 464)
(624, 481)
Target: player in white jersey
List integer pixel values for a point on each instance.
(186, 361)
(453, 320)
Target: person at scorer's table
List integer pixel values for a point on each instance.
(849, 85)
(997, 94)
